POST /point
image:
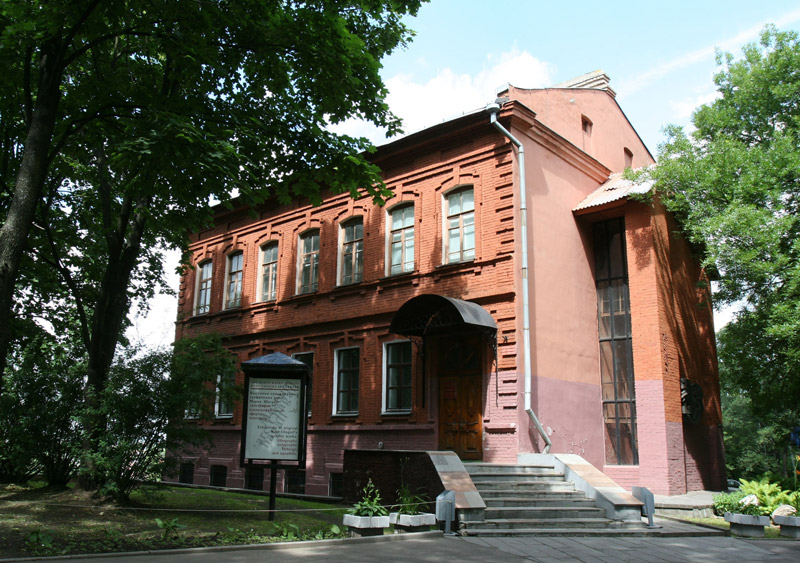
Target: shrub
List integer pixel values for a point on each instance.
(727, 502)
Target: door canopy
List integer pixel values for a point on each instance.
(432, 314)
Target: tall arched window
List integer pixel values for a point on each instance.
(459, 226)
(308, 262)
(234, 282)
(203, 291)
(401, 240)
(351, 251)
(269, 271)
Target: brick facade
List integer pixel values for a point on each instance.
(672, 336)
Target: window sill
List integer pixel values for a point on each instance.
(469, 262)
(396, 414)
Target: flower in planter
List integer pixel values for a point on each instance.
(370, 503)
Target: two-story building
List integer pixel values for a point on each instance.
(516, 294)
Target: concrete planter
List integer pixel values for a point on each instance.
(747, 525)
(413, 522)
(790, 526)
(366, 525)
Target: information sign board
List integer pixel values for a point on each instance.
(274, 419)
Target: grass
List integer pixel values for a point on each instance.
(36, 520)
(772, 532)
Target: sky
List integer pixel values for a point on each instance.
(660, 57)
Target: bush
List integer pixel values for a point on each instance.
(727, 502)
(38, 408)
(144, 405)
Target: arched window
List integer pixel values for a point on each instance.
(234, 281)
(351, 251)
(401, 240)
(308, 262)
(459, 226)
(203, 291)
(269, 271)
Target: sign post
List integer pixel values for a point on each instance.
(274, 419)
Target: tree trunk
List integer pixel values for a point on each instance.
(27, 189)
(112, 306)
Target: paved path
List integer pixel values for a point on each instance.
(433, 547)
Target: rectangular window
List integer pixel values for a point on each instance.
(294, 481)
(219, 476)
(223, 404)
(335, 485)
(346, 381)
(234, 280)
(401, 240)
(254, 478)
(204, 272)
(397, 377)
(460, 226)
(308, 262)
(616, 347)
(351, 252)
(308, 359)
(269, 272)
(186, 473)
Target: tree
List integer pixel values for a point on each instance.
(121, 121)
(734, 184)
(145, 402)
(145, 110)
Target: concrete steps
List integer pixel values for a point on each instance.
(533, 500)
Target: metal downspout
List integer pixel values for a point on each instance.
(493, 110)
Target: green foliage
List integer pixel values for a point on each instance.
(44, 376)
(144, 406)
(769, 495)
(40, 541)
(727, 502)
(734, 184)
(755, 445)
(370, 503)
(134, 115)
(410, 503)
(169, 527)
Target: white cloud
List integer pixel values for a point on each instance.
(682, 109)
(730, 44)
(449, 94)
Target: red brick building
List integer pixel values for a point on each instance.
(438, 322)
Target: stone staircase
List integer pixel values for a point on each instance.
(535, 500)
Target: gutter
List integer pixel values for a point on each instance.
(493, 109)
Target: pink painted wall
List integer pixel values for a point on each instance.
(561, 109)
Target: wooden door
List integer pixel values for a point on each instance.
(460, 400)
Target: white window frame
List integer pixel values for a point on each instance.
(314, 286)
(336, 411)
(203, 286)
(385, 383)
(236, 301)
(404, 259)
(272, 293)
(219, 401)
(357, 257)
(461, 227)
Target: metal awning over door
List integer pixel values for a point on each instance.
(431, 314)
